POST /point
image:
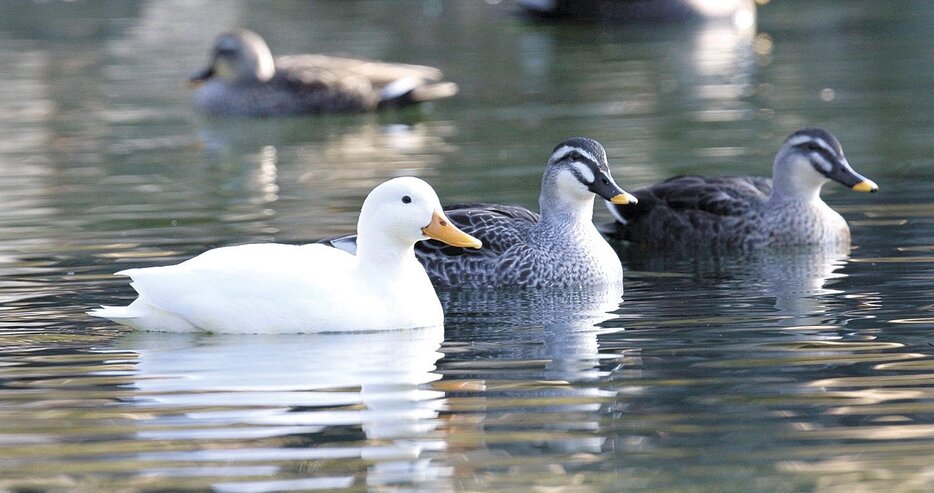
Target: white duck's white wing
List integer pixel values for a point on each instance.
(248, 288)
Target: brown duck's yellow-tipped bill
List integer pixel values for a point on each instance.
(441, 229)
(866, 186)
(624, 198)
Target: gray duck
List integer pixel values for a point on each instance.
(747, 212)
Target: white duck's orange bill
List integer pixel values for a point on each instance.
(441, 229)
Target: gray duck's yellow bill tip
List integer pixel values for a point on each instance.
(866, 186)
(624, 199)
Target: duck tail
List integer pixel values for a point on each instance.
(112, 312)
(412, 90)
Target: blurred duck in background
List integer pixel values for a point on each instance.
(740, 12)
(243, 79)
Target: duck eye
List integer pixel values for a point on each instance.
(406, 199)
(575, 156)
(811, 146)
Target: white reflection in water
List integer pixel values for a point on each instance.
(322, 171)
(722, 52)
(359, 152)
(256, 386)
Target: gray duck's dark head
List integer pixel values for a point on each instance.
(811, 150)
(240, 56)
(578, 167)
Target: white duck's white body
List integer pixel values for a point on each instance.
(276, 288)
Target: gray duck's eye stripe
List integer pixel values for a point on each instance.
(569, 152)
(809, 143)
(820, 158)
(584, 172)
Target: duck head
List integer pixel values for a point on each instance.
(809, 158)
(577, 170)
(238, 57)
(403, 211)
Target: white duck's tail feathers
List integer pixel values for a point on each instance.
(412, 90)
(114, 313)
(145, 317)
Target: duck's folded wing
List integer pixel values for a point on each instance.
(686, 209)
(330, 69)
(718, 196)
(379, 72)
(310, 73)
(359, 83)
(498, 226)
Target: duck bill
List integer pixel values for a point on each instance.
(199, 78)
(441, 229)
(606, 188)
(624, 198)
(842, 173)
(866, 185)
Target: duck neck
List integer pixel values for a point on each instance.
(561, 212)
(387, 253)
(798, 189)
(781, 197)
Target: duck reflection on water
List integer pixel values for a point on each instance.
(300, 388)
(797, 285)
(538, 344)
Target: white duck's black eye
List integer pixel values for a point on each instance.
(406, 199)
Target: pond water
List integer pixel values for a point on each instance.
(774, 371)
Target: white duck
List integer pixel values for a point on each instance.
(277, 288)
